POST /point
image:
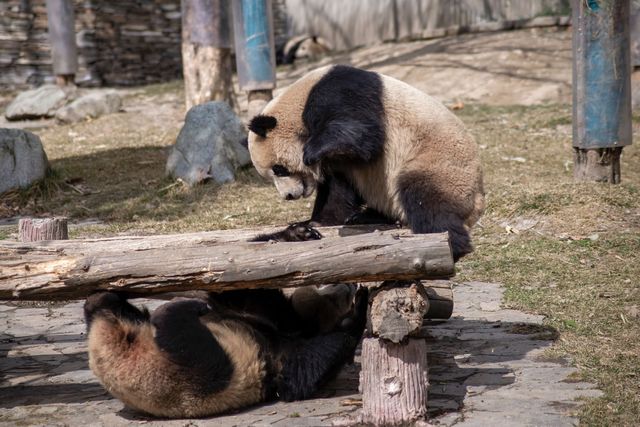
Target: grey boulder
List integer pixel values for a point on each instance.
(22, 159)
(38, 103)
(91, 105)
(209, 145)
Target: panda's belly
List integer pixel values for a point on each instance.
(377, 186)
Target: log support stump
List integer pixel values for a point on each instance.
(34, 230)
(394, 377)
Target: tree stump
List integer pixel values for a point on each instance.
(33, 230)
(394, 377)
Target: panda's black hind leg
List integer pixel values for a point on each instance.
(189, 344)
(429, 210)
(312, 362)
(112, 304)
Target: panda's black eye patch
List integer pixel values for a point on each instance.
(279, 170)
(261, 124)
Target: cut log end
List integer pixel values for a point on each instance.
(34, 229)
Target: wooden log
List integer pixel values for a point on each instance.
(206, 52)
(394, 378)
(33, 230)
(440, 297)
(59, 270)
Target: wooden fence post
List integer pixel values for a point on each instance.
(601, 88)
(206, 52)
(255, 52)
(62, 36)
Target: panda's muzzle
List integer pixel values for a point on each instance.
(294, 186)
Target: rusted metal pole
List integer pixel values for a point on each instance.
(255, 51)
(601, 88)
(62, 36)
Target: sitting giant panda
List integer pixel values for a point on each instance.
(370, 144)
(195, 358)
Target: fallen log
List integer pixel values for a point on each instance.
(55, 270)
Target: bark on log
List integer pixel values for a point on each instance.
(71, 269)
(33, 230)
(394, 382)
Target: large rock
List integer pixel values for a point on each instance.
(209, 145)
(91, 105)
(22, 159)
(38, 103)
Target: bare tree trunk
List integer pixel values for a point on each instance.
(206, 51)
(207, 74)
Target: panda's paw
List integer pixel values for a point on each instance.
(300, 232)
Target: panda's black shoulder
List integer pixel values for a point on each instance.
(345, 90)
(347, 104)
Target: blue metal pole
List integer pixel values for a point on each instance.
(255, 52)
(601, 86)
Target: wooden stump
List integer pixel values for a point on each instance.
(33, 230)
(394, 377)
(597, 164)
(394, 381)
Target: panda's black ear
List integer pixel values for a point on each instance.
(261, 124)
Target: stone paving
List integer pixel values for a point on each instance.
(487, 367)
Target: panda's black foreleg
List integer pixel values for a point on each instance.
(429, 210)
(336, 200)
(296, 232)
(189, 344)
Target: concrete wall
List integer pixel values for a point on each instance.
(349, 23)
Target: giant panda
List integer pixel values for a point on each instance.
(194, 358)
(370, 145)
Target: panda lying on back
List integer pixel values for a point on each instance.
(374, 149)
(194, 358)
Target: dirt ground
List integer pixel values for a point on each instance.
(569, 252)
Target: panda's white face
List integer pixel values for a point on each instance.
(276, 151)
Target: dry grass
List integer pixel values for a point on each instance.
(569, 251)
